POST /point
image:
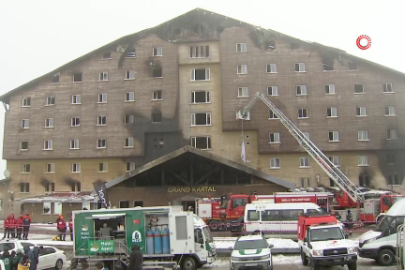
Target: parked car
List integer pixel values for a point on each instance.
(252, 251)
(51, 257)
(14, 245)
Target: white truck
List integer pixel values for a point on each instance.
(323, 243)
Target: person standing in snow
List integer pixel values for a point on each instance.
(71, 229)
(19, 226)
(61, 226)
(26, 225)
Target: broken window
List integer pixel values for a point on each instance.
(301, 90)
(241, 69)
(241, 47)
(199, 51)
(77, 77)
(299, 67)
(295, 46)
(201, 119)
(26, 102)
(130, 96)
(200, 97)
(101, 120)
(56, 78)
(331, 112)
(157, 117)
(103, 76)
(243, 92)
(271, 45)
(272, 115)
(389, 111)
(24, 187)
(157, 72)
(158, 51)
(25, 123)
(49, 187)
(129, 119)
(50, 101)
(130, 75)
(129, 142)
(75, 121)
(387, 88)
(393, 180)
(200, 74)
(302, 113)
(203, 143)
(352, 65)
(107, 55)
(392, 134)
(102, 98)
(157, 95)
(361, 111)
(358, 89)
(101, 143)
(26, 168)
(76, 99)
(330, 89)
(328, 64)
(131, 53)
(271, 68)
(391, 158)
(274, 137)
(272, 90)
(24, 146)
(333, 136)
(364, 180)
(362, 135)
(244, 117)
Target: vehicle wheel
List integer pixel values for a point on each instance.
(386, 257)
(59, 264)
(213, 225)
(304, 258)
(352, 266)
(188, 264)
(313, 265)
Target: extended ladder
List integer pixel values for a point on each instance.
(341, 180)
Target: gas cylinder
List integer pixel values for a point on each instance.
(157, 237)
(165, 241)
(149, 241)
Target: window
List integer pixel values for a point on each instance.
(306, 134)
(124, 204)
(304, 162)
(130, 75)
(157, 95)
(76, 99)
(274, 137)
(157, 72)
(272, 115)
(362, 135)
(26, 168)
(101, 120)
(200, 74)
(129, 142)
(272, 90)
(56, 78)
(299, 67)
(304, 182)
(301, 90)
(330, 89)
(199, 51)
(393, 180)
(241, 47)
(157, 117)
(201, 119)
(302, 113)
(102, 98)
(103, 167)
(130, 166)
(359, 89)
(25, 123)
(76, 167)
(158, 51)
(50, 187)
(274, 163)
(50, 167)
(364, 180)
(203, 143)
(328, 64)
(26, 102)
(107, 55)
(295, 46)
(77, 77)
(101, 143)
(48, 145)
(335, 160)
(253, 215)
(24, 187)
(362, 161)
(243, 92)
(352, 66)
(131, 53)
(392, 134)
(103, 76)
(391, 158)
(130, 96)
(387, 88)
(331, 112)
(241, 69)
(200, 97)
(361, 111)
(50, 101)
(24, 146)
(333, 136)
(75, 121)
(389, 111)
(244, 117)
(74, 144)
(129, 119)
(138, 203)
(49, 122)
(271, 68)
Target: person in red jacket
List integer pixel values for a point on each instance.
(13, 224)
(61, 226)
(6, 227)
(26, 225)
(20, 226)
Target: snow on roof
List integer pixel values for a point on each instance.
(71, 197)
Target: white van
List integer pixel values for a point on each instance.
(276, 219)
(380, 244)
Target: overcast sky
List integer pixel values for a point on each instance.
(38, 36)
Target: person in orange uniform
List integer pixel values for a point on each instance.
(61, 226)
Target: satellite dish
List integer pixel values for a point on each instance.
(6, 174)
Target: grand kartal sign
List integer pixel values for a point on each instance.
(191, 189)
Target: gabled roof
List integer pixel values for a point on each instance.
(161, 29)
(204, 154)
